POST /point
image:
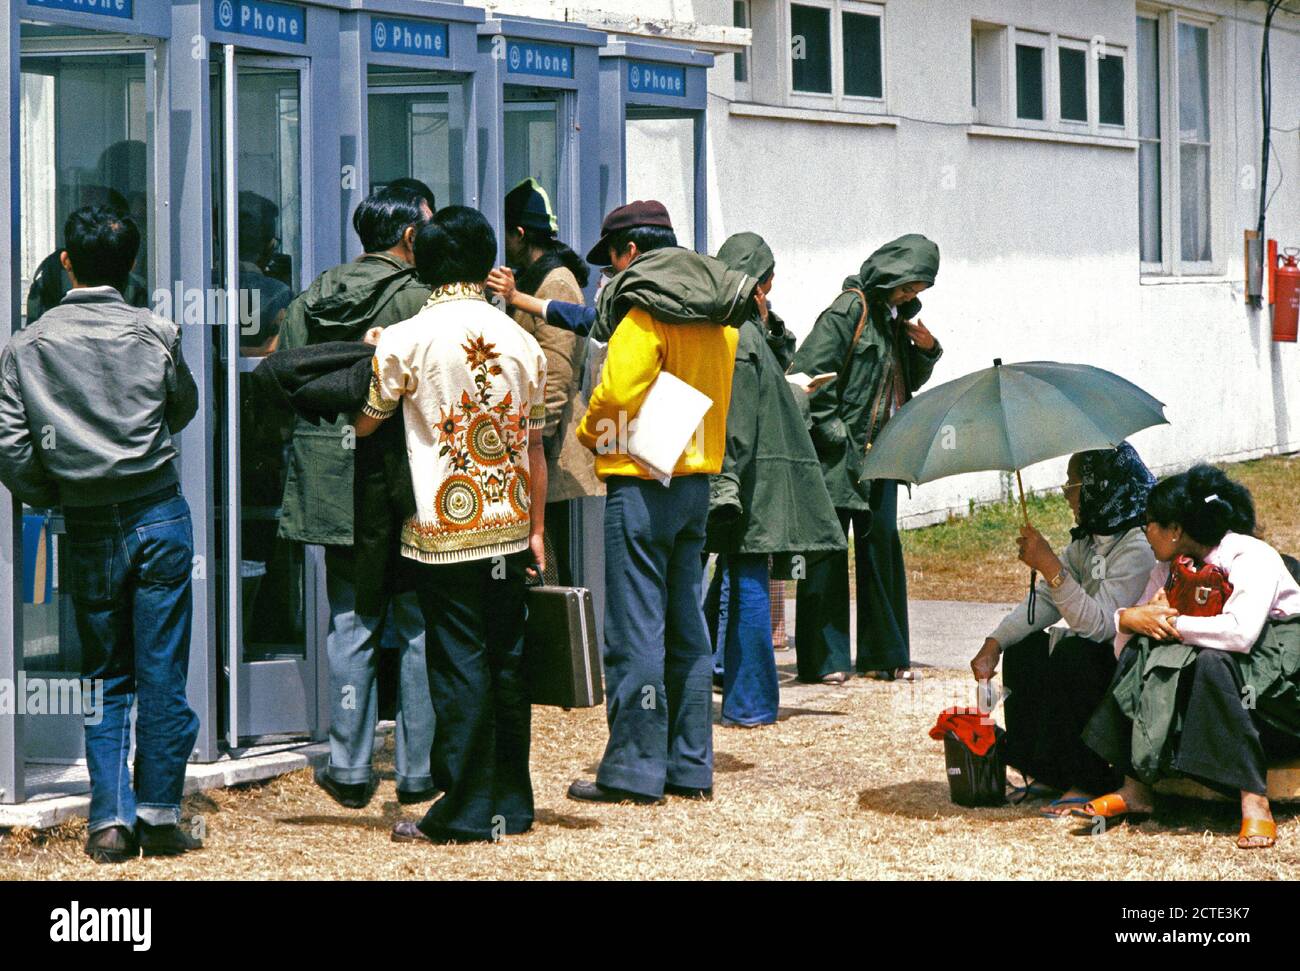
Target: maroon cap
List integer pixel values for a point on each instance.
(639, 213)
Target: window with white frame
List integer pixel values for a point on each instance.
(836, 54)
(1027, 79)
(1175, 122)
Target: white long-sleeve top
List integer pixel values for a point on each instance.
(1262, 590)
(1102, 574)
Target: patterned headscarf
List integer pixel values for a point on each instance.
(1113, 497)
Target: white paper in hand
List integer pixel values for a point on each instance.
(663, 428)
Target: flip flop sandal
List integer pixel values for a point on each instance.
(1112, 808)
(1047, 813)
(838, 678)
(1257, 829)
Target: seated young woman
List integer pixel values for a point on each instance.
(1055, 678)
(1230, 707)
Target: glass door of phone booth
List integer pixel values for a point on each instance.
(87, 110)
(271, 617)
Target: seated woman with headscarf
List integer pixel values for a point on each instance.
(1210, 693)
(1055, 678)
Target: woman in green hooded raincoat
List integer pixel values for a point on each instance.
(881, 357)
(769, 500)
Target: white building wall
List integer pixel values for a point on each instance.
(1039, 238)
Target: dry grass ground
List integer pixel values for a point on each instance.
(974, 557)
(847, 785)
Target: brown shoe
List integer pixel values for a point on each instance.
(115, 844)
(405, 831)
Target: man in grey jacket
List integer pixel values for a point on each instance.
(90, 396)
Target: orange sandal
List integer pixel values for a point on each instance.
(1112, 808)
(1257, 829)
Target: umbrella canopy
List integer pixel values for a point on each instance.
(1008, 417)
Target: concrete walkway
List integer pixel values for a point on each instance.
(945, 633)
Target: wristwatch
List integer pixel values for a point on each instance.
(1056, 581)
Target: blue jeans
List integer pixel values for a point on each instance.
(129, 575)
(750, 688)
(657, 678)
(352, 645)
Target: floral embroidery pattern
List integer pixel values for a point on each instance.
(484, 438)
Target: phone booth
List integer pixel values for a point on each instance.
(85, 120)
(410, 99)
(654, 103)
(267, 94)
(545, 78)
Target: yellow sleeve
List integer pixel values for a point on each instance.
(633, 361)
(394, 375)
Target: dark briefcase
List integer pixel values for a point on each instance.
(561, 655)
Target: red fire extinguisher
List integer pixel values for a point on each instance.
(1285, 293)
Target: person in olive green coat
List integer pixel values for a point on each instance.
(877, 370)
(377, 289)
(769, 500)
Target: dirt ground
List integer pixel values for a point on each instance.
(847, 785)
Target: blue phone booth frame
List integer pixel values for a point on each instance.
(423, 35)
(532, 53)
(647, 74)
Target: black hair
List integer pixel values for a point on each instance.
(383, 216)
(418, 187)
(458, 246)
(647, 238)
(554, 254)
(1205, 502)
(258, 218)
(101, 244)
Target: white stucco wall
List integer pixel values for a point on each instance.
(1039, 239)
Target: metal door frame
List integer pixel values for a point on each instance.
(257, 686)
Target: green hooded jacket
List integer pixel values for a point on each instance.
(1147, 692)
(849, 412)
(770, 496)
(675, 286)
(374, 290)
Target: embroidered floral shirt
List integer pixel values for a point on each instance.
(471, 384)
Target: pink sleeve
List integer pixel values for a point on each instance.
(1255, 578)
(1159, 573)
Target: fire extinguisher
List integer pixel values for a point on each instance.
(1285, 294)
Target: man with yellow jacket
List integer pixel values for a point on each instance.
(665, 308)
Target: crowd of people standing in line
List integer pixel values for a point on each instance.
(474, 429)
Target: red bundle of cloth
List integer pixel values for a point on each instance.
(975, 728)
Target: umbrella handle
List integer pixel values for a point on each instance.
(1033, 574)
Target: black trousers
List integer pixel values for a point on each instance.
(1050, 697)
(1222, 745)
(822, 597)
(475, 615)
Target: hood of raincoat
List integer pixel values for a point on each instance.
(904, 260)
(675, 286)
(342, 302)
(748, 253)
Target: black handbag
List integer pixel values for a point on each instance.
(562, 665)
(975, 780)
